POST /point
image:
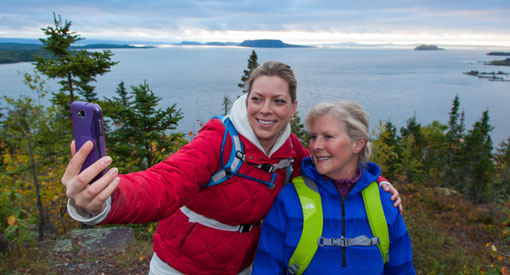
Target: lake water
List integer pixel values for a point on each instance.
(392, 84)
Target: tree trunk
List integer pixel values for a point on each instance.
(42, 222)
(71, 90)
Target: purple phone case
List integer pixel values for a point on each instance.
(88, 125)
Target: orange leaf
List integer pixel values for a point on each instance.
(488, 244)
(190, 133)
(504, 270)
(500, 258)
(11, 220)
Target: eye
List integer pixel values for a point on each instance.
(280, 101)
(314, 137)
(329, 136)
(255, 99)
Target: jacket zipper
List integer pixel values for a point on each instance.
(343, 230)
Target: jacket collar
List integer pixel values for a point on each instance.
(239, 117)
(369, 174)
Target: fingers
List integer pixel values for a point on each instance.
(73, 148)
(394, 194)
(93, 197)
(82, 180)
(74, 166)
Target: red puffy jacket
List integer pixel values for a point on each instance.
(157, 194)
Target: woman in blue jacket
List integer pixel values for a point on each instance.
(340, 170)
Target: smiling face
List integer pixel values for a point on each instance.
(270, 108)
(334, 153)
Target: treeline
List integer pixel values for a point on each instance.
(446, 155)
(19, 52)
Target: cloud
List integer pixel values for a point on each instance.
(206, 19)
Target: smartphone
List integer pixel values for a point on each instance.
(88, 125)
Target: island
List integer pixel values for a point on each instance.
(504, 62)
(268, 43)
(499, 53)
(424, 47)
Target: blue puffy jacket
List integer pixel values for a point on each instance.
(283, 225)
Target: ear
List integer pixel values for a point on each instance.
(294, 109)
(359, 145)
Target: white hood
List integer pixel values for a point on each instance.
(239, 117)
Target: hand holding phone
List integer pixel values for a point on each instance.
(87, 121)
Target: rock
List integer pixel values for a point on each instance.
(96, 239)
(446, 191)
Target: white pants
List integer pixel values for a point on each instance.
(158, 267)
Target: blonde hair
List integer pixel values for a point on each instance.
(352, 115)
(275, 68)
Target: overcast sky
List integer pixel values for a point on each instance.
(467, 22)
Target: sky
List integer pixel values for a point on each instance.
(401, 22)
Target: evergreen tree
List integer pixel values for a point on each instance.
(387, 151)
(76, 68)
(412, 141)
(502, 165)
(476, 160)
(252, 65)
(298, 129)
(140, 127)
(433, 150)
(414, 129)
(226, 104)
(454, 140)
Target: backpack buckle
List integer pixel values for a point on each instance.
(243, 228)
(267, 167)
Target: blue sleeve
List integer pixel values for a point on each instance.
(269, 258)
(401, 252)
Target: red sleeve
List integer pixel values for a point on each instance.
(381, 179)
(157, 192)
(301, 153)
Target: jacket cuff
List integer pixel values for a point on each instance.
(385, 182)
(81, 215)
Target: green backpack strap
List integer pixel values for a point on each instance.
(312, 224)
(376, 218)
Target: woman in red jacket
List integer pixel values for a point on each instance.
(203, 229)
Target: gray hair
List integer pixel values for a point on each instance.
(353, 116)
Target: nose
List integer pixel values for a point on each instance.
(316, 144)
(266, 107)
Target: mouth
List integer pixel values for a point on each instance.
(266, 123)
(319, 158)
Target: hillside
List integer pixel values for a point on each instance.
(452, 235)
(23, 52)
(449, 234)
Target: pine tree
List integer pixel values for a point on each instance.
(502, 166)
(298, 129)
(454, 141)
(252, 65)
(387, 151)
(76, 68)
(476, 160)
(140, 127)
(412, 141)
(226, 104)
